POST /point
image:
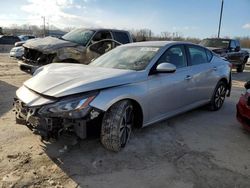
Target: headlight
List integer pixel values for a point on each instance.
(69, 108)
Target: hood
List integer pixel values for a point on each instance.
(62, 79)
(47, 44)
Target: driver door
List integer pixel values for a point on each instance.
(170, 92)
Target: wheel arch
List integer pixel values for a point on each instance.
(224, 80)
(228, 84)
(138, 111)
(106, 105)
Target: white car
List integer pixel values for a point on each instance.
(17, 52)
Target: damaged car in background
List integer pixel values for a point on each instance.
(132, 86)
(77, 46)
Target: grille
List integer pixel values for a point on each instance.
(32, 54)
(35, 57)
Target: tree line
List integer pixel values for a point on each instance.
(138, 35)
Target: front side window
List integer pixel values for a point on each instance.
(174, 55)
(127, 57)
(197, 55)
(101, 35)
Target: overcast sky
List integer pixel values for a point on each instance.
(195, 18)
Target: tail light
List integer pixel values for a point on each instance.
(247, 98)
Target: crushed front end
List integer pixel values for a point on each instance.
(33, 59)
(56, 116)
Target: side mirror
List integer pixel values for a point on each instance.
(247, 85)
(165, 68)
(237, 49)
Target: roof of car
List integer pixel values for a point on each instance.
(156, 43)
(219, 39)
(98, 29)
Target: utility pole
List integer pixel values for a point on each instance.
(44, 31)
(221, 11)
(48, 27)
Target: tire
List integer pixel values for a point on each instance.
(117, 124)
(240, 68)
(219, 96)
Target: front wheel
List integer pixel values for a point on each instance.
(218, 97)
(117, 125)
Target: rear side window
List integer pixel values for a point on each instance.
(209, 55)
(121, 37)
(198, 55)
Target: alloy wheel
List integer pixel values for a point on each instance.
(126, 125)
(220, 96)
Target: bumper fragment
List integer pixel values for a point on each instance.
(28, 68)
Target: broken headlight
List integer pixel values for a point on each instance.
(73, 108)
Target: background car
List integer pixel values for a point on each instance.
(243, 108)
(229, 49)
(17, 52)
(78, 46)
(132, 86)
(8, 39)
(23, 39)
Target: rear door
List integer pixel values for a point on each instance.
(203, 72)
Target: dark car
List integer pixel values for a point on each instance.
(229, 49)
(6, 39)
(243, 108)
(26, 37)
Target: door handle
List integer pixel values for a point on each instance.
(215, 68)
(188, 77)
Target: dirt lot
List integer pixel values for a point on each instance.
(197, 149)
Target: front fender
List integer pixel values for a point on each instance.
(137, 92)
(75, 53)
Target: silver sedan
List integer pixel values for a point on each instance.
(132, 86)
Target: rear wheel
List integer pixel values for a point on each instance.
(218, 97)
(117, 125)
(240, 68)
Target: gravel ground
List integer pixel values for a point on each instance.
(193, 150)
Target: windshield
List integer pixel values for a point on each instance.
(79, 36)
(130, 58)
(217, 43)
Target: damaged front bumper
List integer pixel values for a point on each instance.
(33, 59)
(28, 68)
(51, 126)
